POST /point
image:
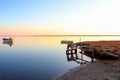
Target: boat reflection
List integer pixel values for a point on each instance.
(8, 41)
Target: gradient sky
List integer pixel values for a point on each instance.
(59, 17)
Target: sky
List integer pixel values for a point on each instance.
(54, 17)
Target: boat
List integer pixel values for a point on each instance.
(8, 39)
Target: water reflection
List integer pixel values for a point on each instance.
(8, 42)
(79, 59)
(32, 58)
(77, 55)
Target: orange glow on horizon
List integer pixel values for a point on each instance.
(30, 31)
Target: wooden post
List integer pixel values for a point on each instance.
(92, 55)
(82, 53)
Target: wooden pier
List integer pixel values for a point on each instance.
(103, 50)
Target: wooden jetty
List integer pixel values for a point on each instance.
(95, 49)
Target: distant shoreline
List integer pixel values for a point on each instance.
(60, 35)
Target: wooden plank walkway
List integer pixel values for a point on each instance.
(97, 50)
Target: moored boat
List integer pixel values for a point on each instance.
(9, 39)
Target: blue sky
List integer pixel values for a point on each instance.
(21, 10)
(59, 16)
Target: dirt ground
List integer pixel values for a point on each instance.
(98, 70)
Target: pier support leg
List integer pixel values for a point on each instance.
(82, 53)
(92, 56)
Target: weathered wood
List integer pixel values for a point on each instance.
(101, 50)
(95, 51)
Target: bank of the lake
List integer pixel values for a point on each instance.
(99, 70)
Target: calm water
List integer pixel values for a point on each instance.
(33, 58)
(37, 58)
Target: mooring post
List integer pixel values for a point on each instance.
(82, 53)
(76, 53)
(92, 55)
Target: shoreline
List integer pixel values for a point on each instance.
(98, 70)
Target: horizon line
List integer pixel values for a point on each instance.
(53, 35)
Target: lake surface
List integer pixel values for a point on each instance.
(37, 58)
